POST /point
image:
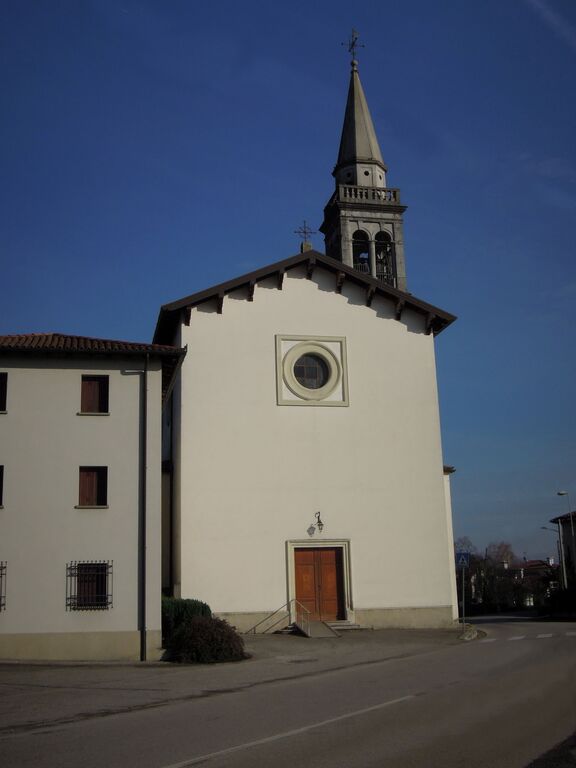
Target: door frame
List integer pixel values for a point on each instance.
(344, 545)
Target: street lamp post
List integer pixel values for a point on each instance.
(573, 547)
(560, 545)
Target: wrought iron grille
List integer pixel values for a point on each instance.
(89, 585)
(3, 586)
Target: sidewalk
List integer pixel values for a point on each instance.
(41, 695)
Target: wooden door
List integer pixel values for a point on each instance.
(320, 582)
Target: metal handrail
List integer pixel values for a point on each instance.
(302, 617)
(303, 622)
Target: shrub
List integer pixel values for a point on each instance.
(205, 640)
(175, 610)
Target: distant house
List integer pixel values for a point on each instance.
(80, 486)
(567, 534)
(538, 579)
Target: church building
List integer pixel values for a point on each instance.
(303, 469)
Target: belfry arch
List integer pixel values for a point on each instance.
(361, 251)
(385, 258)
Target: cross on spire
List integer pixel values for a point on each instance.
(353, 44)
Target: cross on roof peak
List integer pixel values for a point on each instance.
(304, 231)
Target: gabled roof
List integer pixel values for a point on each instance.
(564, 518)
(60, 344)
(170, 314)
(358, 142)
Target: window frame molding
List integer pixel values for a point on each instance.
(319, 350)
(103, 380)
(337, 362)
(98, 469)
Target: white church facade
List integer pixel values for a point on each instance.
(305, 445)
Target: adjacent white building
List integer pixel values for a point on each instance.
(80, 487)
(307, 469)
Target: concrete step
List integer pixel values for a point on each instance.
(345, 625)
(291, 629)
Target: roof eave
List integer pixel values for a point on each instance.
(437, 319)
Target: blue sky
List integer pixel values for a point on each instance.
(152, 148)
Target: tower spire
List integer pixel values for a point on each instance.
(359, 157)
(363, 224)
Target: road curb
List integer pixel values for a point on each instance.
(469, 632)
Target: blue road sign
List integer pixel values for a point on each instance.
(462, 559)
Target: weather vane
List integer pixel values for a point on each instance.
(353, 44)
(304, 231)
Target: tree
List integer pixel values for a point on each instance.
(463, 544)
(500, 552)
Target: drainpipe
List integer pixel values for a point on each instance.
(142, 511)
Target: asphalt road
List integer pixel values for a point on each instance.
(500, 701)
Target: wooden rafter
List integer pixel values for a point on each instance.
(310, 267)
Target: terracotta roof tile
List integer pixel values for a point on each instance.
(60, 342)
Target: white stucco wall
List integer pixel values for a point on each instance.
(450, 542)
(253, 473)
(43, 442)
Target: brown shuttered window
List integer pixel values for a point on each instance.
(94, 394)
(93, 490)
(3, 390)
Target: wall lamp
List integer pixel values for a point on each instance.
(318, 524)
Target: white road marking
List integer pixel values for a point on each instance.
(517, 637)
(488, 640)
(286, 734)
(549, 635)
(571, 634)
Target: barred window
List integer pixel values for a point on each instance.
(2, 586)
(89, 585)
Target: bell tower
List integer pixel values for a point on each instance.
(363, 223)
